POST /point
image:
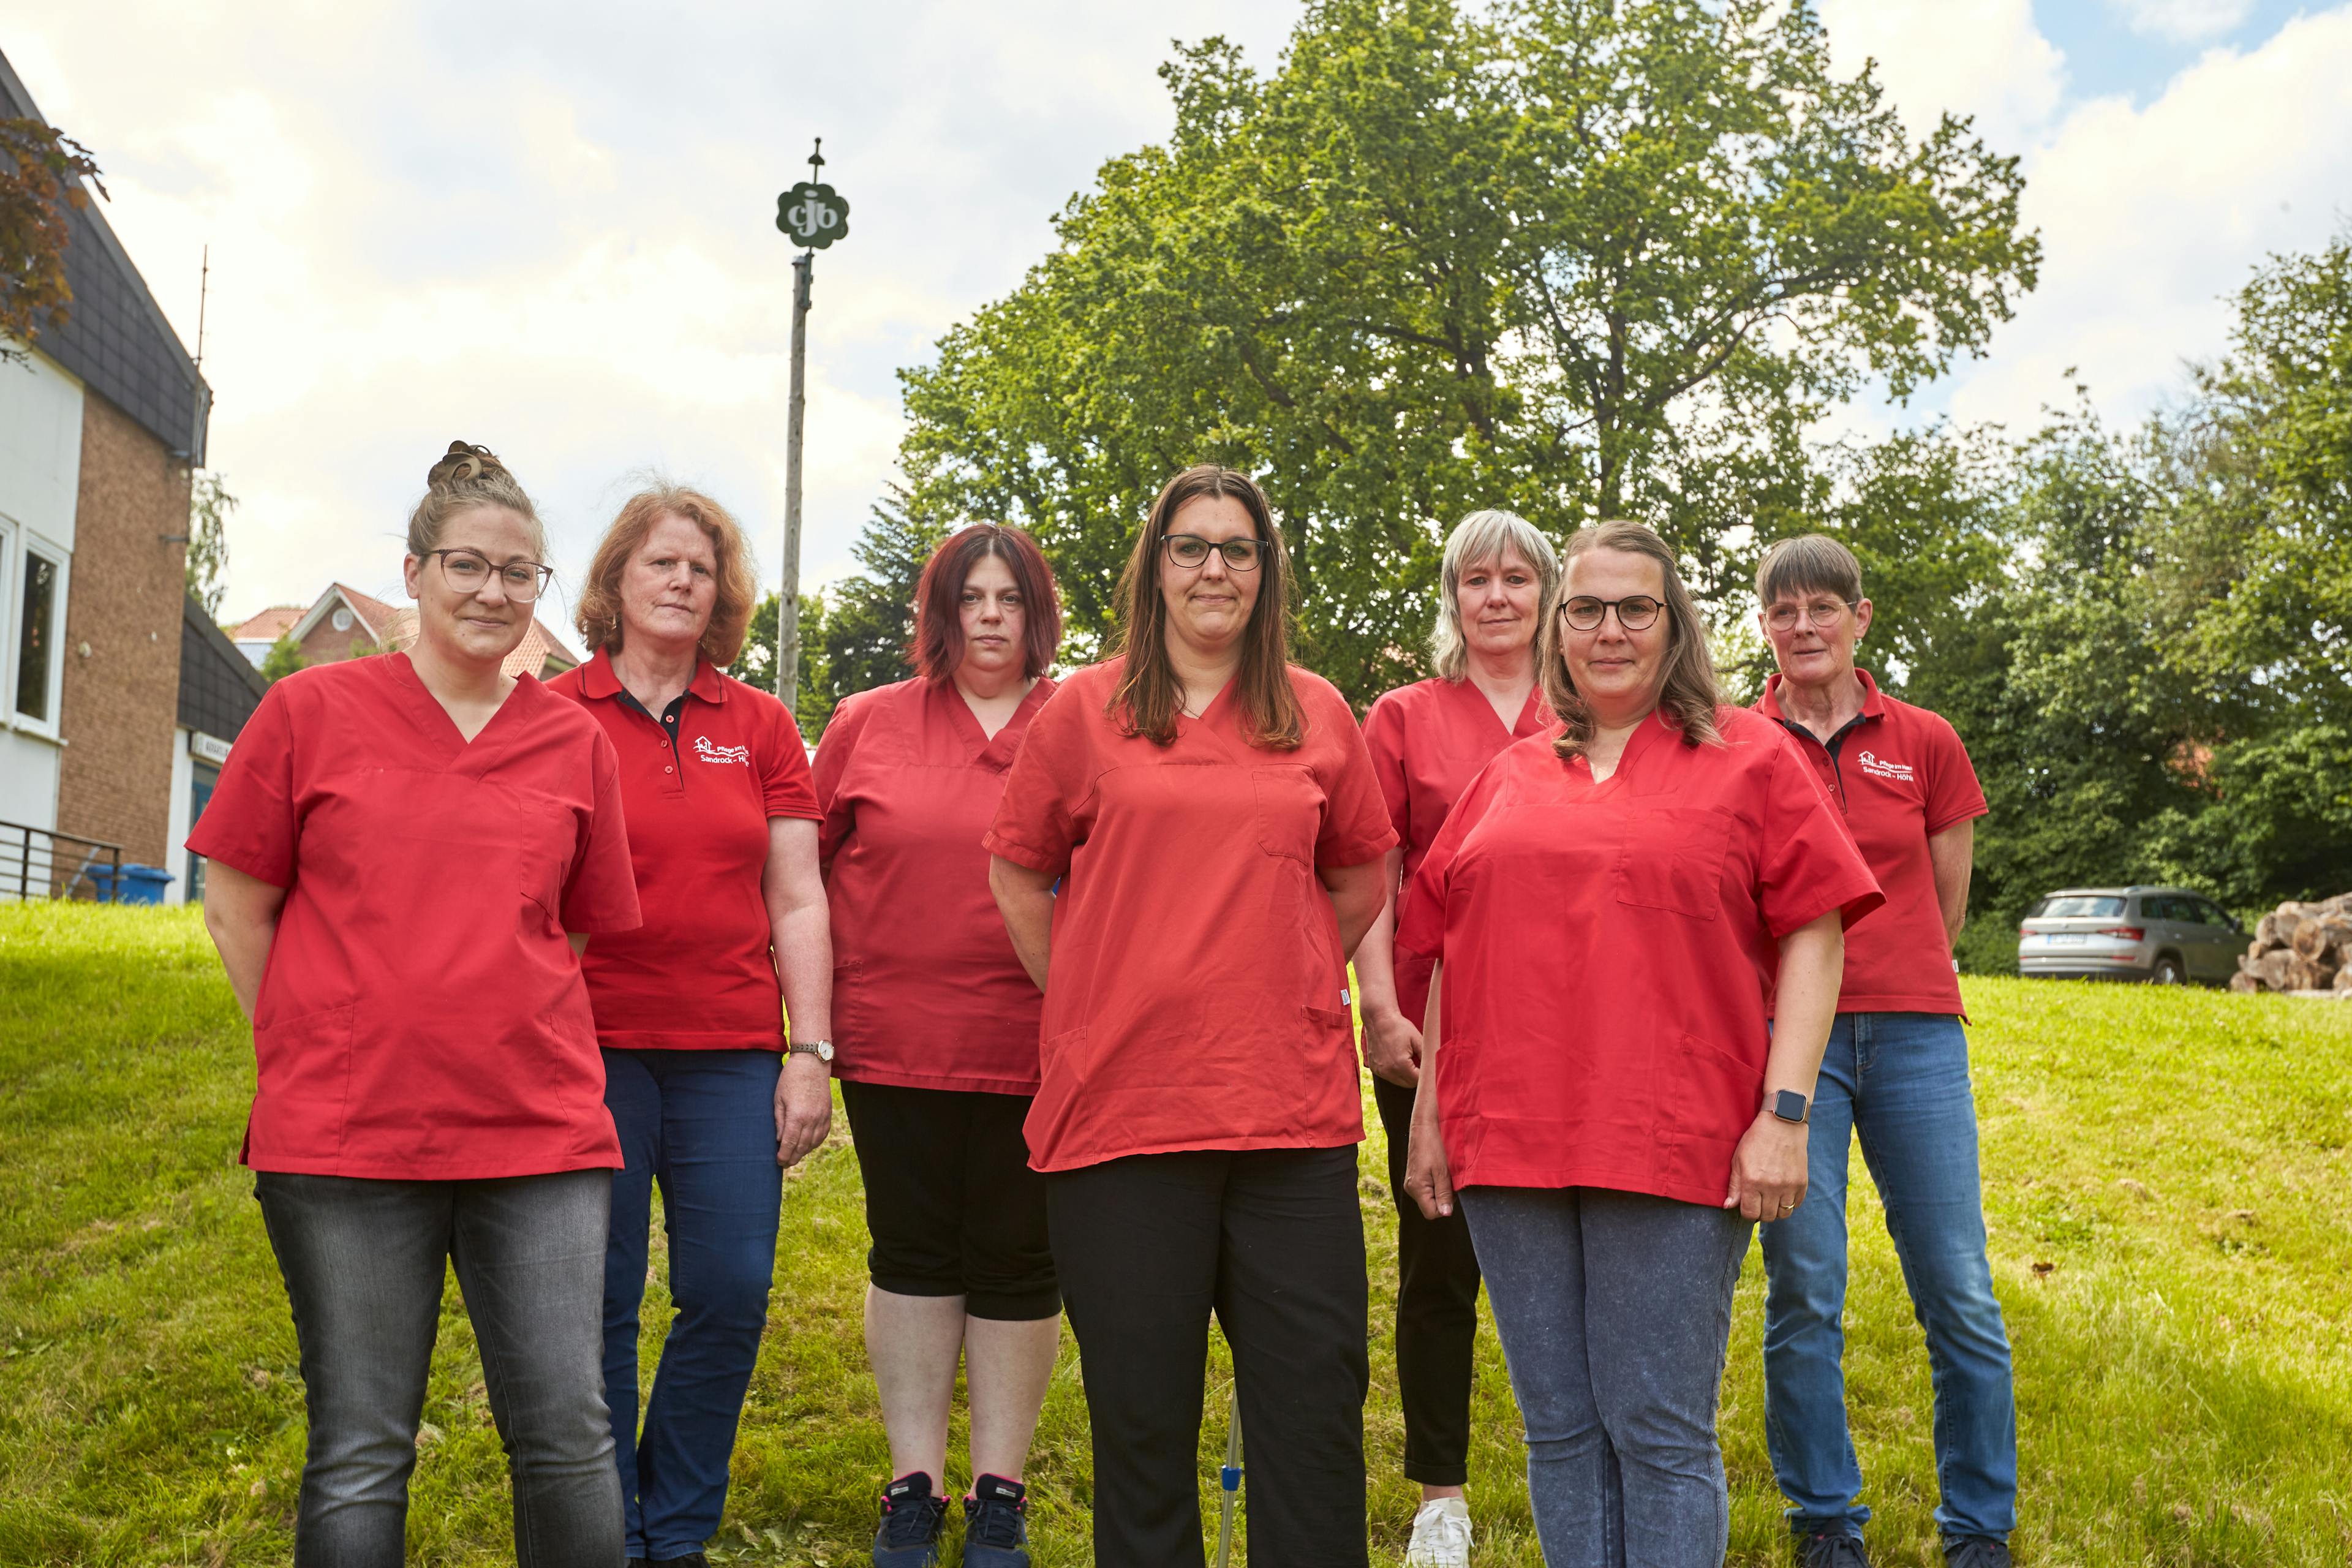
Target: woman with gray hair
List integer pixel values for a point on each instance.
(1428, 740)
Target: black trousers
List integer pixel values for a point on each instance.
(1436, 1315)
(1272, 1241)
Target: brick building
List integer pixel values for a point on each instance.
(343, 623)
(100, 435)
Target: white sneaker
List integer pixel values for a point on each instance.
(1440, 1535)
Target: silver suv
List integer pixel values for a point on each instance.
(2166, 935)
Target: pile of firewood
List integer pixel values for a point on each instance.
(2301, 947)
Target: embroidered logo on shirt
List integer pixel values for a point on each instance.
(1874, 766)
(710, 754)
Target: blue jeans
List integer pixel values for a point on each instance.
(1614, 1311)
(1901, 1082)
(703, 1125)
(364, 1262)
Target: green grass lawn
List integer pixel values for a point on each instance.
(2168, 1179)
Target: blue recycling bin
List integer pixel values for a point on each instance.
(131, 885)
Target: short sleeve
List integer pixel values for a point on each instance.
(253, 823)
(1421, 931)
(1809, 864)
(784, 783)
(1036, 822)
(836, 808)
(601, 895)
(1384, 728)
(1954, 795)
(1356, 812)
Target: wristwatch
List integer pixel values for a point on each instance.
(1790, 1106)
(821, 1049)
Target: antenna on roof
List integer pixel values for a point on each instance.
(204, 287)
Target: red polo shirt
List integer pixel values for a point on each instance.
(1198, 996)
(700, 784)
(1610, 949)
(1901, 776)
(422, 1017)
(927, 990)
(1428, 740)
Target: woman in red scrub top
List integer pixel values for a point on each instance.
(1220, 841)
(690, 1006)
(939, 1042)
(1427, 740)
(408, 853)
(1616, 913)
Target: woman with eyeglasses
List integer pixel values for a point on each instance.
(1614, 914)
(1211, 816)
(938, 1044)
(709, 1098)
(1428, 740)
(1896, 1071)
(408, 854)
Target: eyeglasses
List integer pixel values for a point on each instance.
(1820, 613)
(1634, 613)
(1189, 550)
(468, 570)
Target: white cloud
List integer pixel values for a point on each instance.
(1982, 59)
(2151, 217)
(2182, 21)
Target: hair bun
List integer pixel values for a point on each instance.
(461, 464)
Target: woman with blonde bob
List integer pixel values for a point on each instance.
(1428, 740)
(1611, 913)
(708, 1099)
(1210, 813)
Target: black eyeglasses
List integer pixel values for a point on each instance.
(1191, 550)
(1635, 612)
(468, 570)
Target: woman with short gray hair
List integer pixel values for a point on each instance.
(1428, 740)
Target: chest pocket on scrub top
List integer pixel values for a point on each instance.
(1673, 859)
(1289, 811)
(543, 838)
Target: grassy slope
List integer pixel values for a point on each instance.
(2177, 1161)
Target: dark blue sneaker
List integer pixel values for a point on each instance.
(911, 1517)
(1831, 1549)
(996, 1524)
(1975, 1551)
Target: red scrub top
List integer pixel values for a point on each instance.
(422, 1017)
(1198, 996)
(1428, 740)
(927, 990)
(1902, 776)
(700, 784)
(1610, 953)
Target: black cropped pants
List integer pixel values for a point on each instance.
(1436, 1315)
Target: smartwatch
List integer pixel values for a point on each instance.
(1790, 1106)
(823, 1051)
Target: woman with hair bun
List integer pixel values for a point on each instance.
(408, 855)
(939, 1043)
(710, 1100)
(1220, 842)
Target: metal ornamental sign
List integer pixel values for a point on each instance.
(813, 214)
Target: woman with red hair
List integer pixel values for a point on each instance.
(937, 1058)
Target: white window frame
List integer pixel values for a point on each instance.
(15, 543)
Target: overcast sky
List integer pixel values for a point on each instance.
(549, 227)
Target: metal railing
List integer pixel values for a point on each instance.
(36, 863)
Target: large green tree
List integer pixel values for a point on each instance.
(1574, 258)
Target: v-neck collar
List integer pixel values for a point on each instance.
(985, 750)
(472, 755)
(1532, 713)
(1638, 745)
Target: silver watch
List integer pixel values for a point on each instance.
(821, 1049)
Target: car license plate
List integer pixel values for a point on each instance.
(2073, 938)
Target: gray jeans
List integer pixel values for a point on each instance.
(1614, 1310)
(364, 1262)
